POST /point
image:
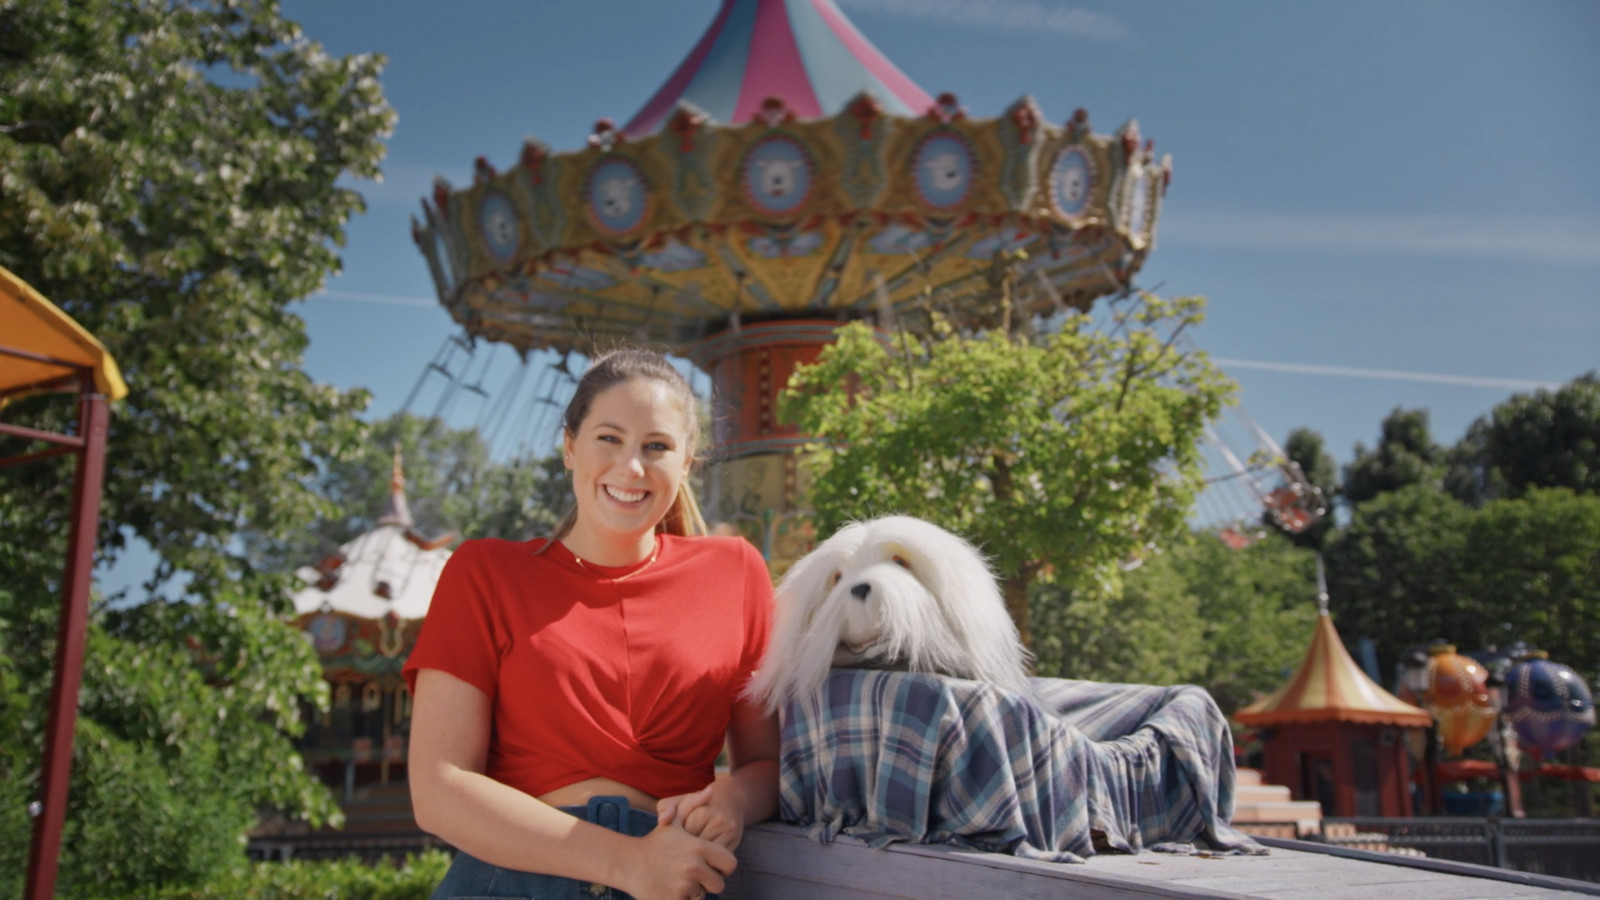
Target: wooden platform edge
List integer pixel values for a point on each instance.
(782, 862)
(1445, 866)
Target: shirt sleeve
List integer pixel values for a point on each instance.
(461, 633)
(757, 612)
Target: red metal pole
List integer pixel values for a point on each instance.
(45, 849)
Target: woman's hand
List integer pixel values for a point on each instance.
(674, 865)
(713, 813)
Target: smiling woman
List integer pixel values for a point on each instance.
(574, 692)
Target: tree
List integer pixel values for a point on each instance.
(1392, 570)
(1063, 456)
(1530, 571)
(170, 176)
(1544, 439)
(1406, 454)
(452, 485)
(1229, 620)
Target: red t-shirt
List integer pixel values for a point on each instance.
(629, 678)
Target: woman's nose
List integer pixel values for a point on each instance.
(634, 464)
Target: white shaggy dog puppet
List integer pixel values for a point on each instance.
(890, 593)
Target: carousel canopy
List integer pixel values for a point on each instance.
(787, 171)
(390, 569)
(804, 51)
(56, 347)
(1330, 687)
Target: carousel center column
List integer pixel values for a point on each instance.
(756, 484)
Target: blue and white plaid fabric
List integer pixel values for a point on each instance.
(892, 756)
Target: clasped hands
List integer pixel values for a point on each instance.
(690, 853)
(714, 813)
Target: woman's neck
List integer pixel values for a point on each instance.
(611, 553)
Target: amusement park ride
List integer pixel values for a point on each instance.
(785, 179)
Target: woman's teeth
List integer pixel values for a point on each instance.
(625, 496)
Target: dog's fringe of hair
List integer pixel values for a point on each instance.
(966, 632)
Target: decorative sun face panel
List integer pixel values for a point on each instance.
(615, 196)
(943, 166)
(777, 175)
(328, 633)
(1071, 178)
(497, 223)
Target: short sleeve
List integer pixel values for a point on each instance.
(461, 633)
(757, 611)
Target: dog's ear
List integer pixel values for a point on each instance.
(976, 610)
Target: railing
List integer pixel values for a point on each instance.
(1566, 848)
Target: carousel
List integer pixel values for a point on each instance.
(362, 609)
(787, 178)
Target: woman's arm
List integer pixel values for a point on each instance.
(454, 799)
(747, 794)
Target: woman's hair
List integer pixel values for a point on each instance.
(615, 368)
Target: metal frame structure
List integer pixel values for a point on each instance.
(89, 444)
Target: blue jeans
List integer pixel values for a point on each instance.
(471, 878)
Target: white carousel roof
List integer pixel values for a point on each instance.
(391, 568)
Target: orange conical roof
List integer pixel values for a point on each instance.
(1330, 687)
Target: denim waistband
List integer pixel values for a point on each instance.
(614, 813)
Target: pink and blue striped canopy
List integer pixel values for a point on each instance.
(804, 51)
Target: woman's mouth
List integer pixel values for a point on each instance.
(623, 495)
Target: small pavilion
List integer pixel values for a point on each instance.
(1334, 736)
(362, 608)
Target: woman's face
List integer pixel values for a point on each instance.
(627, 459)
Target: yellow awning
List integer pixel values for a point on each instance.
(30, 323)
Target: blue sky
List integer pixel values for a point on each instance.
(1362, 189)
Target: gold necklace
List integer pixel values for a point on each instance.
(655, 552)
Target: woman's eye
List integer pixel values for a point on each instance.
(900, 561)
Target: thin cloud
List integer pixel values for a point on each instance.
(1003, 15)
(388, 299)
(1514, 384)
(1565, 240)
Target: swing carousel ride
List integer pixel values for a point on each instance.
(787, 178)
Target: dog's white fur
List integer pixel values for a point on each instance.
(850, 604)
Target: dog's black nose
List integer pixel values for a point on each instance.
(861, 591)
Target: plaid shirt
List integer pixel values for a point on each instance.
(894, 756)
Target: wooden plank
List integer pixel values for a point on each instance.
(1568, 886)
(779, 862)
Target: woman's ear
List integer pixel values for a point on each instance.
(566, 448)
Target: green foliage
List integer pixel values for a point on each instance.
(170, 175)
(1391, 571)
(1406, 454)
(451, 483)
(1229, 620)
(414, 879)
(1063, 456)
(1530, 569)
(1417, 564)
(1544, 439)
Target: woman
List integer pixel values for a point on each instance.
(573, 693)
